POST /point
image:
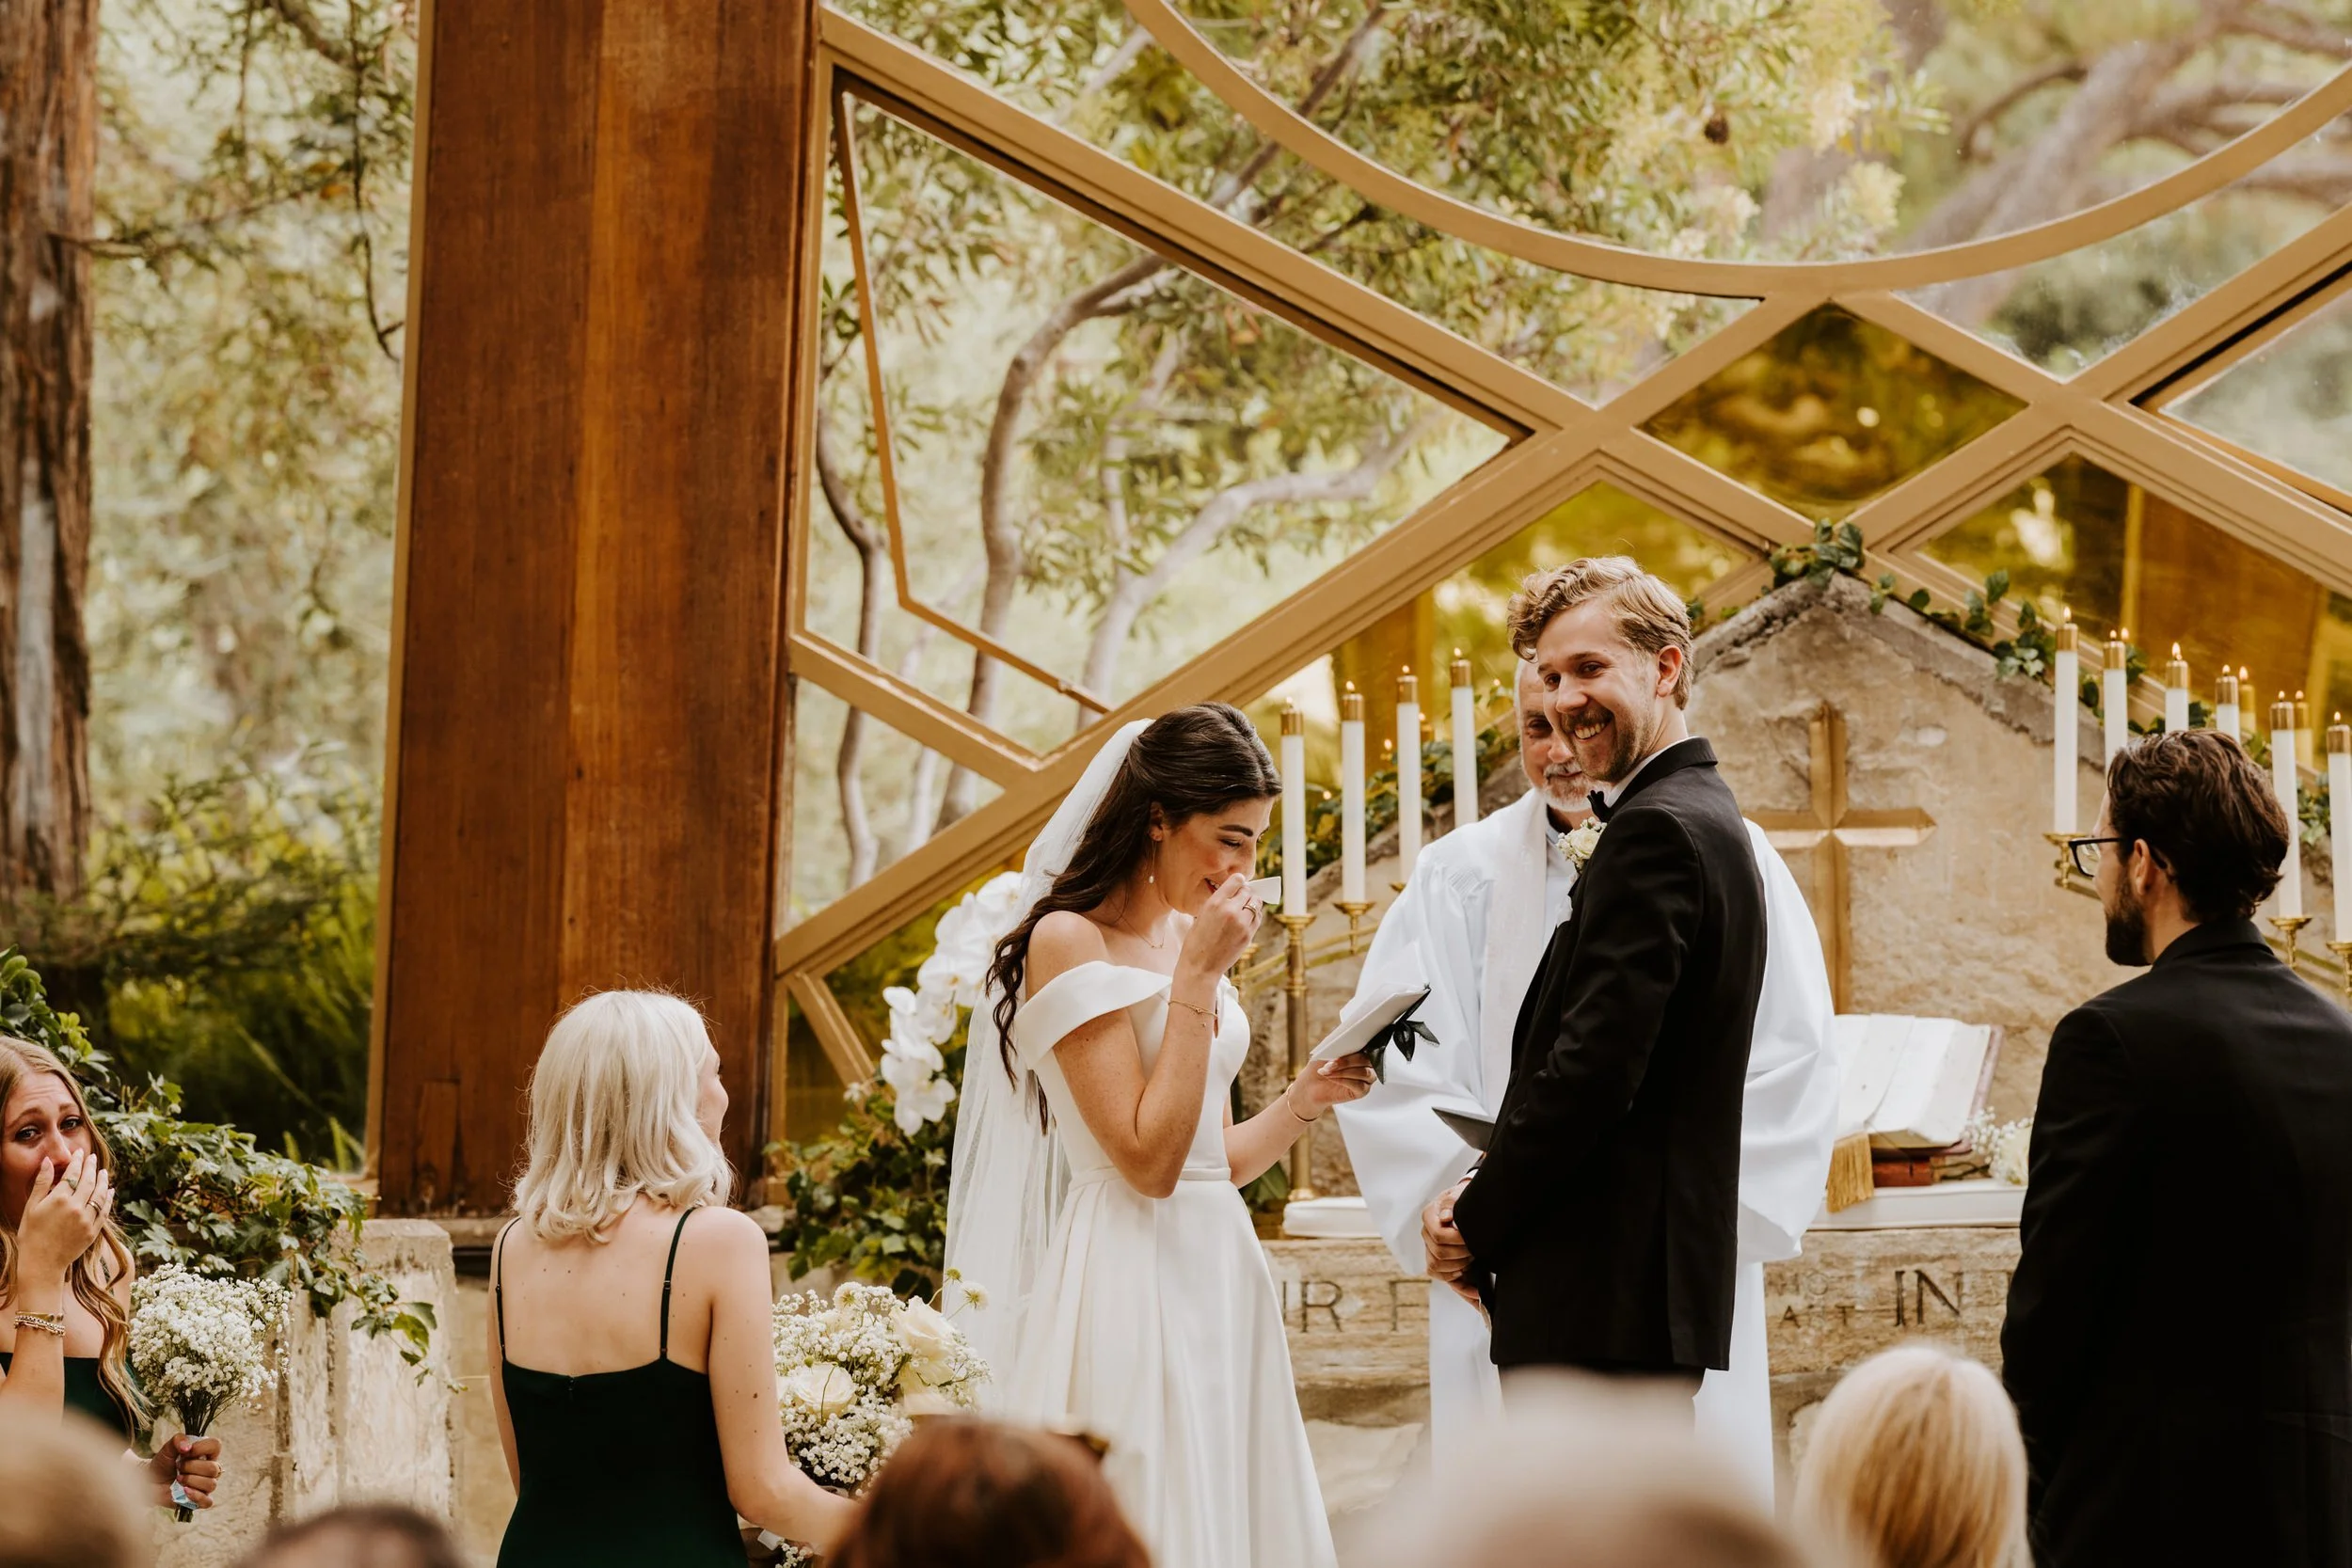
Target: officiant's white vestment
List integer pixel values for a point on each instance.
(1473, 924)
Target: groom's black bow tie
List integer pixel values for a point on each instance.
(1601, 805)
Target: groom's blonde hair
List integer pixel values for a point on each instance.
(613, 1103)
(1650, 615)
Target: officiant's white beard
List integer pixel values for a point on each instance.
(1551, 769)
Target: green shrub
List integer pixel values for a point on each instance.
(206, 1195)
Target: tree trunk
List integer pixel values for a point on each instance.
(48, 155)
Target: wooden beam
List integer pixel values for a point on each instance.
(585, 772)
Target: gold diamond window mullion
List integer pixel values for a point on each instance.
(2021, 426)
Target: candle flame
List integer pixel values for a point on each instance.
(2177, 650)
(2066, 612)
(1351, 685)
(2242, 675)
(2298, 696)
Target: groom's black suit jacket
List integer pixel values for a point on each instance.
(1604, 1220)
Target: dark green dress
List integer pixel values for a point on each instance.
(618, 1468)
(86, 1393)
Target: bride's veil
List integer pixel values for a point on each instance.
(1007, 1178)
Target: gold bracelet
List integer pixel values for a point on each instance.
(46, 1322)
(1294, 1109)
(1209, 1013)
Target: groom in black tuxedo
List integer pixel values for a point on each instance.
(1600, 1230)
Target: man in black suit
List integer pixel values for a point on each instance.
(1601, 1228)
(2179, 1339)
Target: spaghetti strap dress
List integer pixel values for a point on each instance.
(671, 1505)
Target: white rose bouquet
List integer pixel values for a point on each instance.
(853, 1374)
(201, 1343)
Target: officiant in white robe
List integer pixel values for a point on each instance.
(1471, 925)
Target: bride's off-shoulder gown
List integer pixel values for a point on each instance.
(1154, 1322)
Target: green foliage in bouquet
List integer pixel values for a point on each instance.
(205, 1195)
(869, 1199)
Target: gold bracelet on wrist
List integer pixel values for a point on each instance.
(1294, 1109)
(1209, 1013)
(44, 1323)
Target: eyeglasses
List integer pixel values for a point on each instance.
(2085, 853)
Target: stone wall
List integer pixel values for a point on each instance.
(349, 1421)
(1359, 1331)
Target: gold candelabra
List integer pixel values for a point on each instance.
(2343, 950)
(2290, 926)
(1354, 912)
(2067, 876)
(1295, 988)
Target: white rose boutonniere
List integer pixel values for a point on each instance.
(1578, 843)
(823, 1389)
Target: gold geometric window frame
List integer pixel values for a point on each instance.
(2111, 413)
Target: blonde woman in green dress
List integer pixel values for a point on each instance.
(636, 1393)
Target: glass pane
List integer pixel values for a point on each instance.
(1592, 338)
(1831, 412)
(862, 797)
(2080, 537)
(1105, 463)
(1464, 615)
(813, 1089)
(2072, 310)
(2292, 401)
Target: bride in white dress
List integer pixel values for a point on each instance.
(1094, 1185)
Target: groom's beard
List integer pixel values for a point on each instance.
(1624, 747)
(2127, 930)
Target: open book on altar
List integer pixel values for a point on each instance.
(1913, 1083)
(1910, 1087)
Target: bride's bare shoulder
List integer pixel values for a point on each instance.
(1061, 942)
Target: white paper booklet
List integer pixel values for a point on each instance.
(1353, 1035)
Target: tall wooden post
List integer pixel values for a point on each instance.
(582, 785)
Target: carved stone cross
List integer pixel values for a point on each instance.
(1829, 830)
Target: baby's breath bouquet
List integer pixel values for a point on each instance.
(853, 1373)
(201, 1343)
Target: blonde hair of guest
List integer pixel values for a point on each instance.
(613, 1116)
(1914, 1458)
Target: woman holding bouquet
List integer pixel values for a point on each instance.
(66, 1273)
(1096, 1165)
(625, 1334)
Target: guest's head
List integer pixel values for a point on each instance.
(965, 1493)
(1579, 1474)
(1544, 754)
(2199, 836)
(367, 1535)
(44, 1122)
(1914, 1458)
(1611, 647)
(1182, 815)
(70, 1500)
(626, 1101)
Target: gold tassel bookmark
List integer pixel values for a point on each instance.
(1850, 1172)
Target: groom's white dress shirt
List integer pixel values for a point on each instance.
(1473, 925)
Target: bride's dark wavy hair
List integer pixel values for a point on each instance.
(1196, 759)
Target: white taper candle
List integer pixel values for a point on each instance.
(2115, 697)
(1293, 811)
(2065, 762)
(2225, 706)
(1465, 745)
(2282, 781)
(2176, 693)
(2340, 841)
(1408, 775)
(1351, 796)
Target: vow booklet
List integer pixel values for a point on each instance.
(1348, 1038)
(1476, 1131)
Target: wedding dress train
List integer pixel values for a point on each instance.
(1153, 1322)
